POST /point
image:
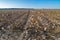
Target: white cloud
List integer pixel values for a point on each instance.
(5, 5)
(11, 5)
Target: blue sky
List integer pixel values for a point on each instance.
(30, 4)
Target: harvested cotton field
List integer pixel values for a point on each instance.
(30, 24)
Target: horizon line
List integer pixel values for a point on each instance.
(29, 8)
